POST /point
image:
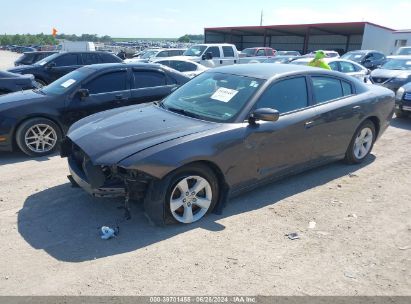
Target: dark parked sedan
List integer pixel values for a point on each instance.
(36, 120)
(53, 67)
(226, 131)
(11, 82)
(403, 101)
(368, 58)
(29, 58)
(394, 73)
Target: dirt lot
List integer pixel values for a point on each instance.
(361, 244)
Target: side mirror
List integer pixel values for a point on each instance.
(83, 93)
(175, 88)
(264, 114)
(207, 56)
(51, 65)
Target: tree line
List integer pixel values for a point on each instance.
(42, 39)
(191, 38)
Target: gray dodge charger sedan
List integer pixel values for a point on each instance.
(226, 131)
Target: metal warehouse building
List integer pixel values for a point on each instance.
(305, 38)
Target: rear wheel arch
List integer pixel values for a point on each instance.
(375, 120)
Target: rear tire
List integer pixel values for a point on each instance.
(38, 137)
(361, 144)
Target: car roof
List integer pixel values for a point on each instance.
(400, 57)
(262, 70)
(102, 66)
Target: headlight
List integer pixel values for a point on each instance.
(400, 93)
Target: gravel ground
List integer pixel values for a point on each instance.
(360, 245)
(7, 59)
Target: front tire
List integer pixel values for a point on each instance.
(361, 144)
(192, 193)
(38, 137)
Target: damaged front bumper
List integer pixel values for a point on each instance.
(103, 180)
(79, 177)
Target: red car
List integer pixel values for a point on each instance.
(258, 51)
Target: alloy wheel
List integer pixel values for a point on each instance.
(40, 138)
(363, 143)
(190, 199)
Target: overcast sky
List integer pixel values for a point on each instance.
(174, 18)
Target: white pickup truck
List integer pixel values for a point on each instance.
(213, 55)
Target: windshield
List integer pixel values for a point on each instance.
(404, 51)
(213, 96)
(354, 56)
(47, 59)
(248, 52)
(66, 82)
(149, 54)
(195, 50)
(300, 62)
(397, 64)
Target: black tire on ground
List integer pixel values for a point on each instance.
(400, 114)
(350, 156)
(26, 125)
(186, 171)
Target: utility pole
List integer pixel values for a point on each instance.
(261, 19)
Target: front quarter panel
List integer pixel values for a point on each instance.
(224, 147)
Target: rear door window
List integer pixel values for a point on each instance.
(347, 67)
(260, 52)
(66, 60)
(327, 88)
(228, 51)
(90, 58)
(285, 96)
(334, 66)
(148, 79)
(109, 82)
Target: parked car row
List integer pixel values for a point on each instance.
(57, 65)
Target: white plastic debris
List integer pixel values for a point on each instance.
(293, 236)
(107, 233)
(311, 225)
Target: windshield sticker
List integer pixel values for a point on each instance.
(68, 83)
(224, 94)
(254, 84)
(42, 62)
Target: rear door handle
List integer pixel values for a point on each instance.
(356, 108)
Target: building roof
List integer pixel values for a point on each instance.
(344, 28)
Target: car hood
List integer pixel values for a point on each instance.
(21, 69)
(383, 73)
(10, 100)
(111, 136)
(10, 75)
